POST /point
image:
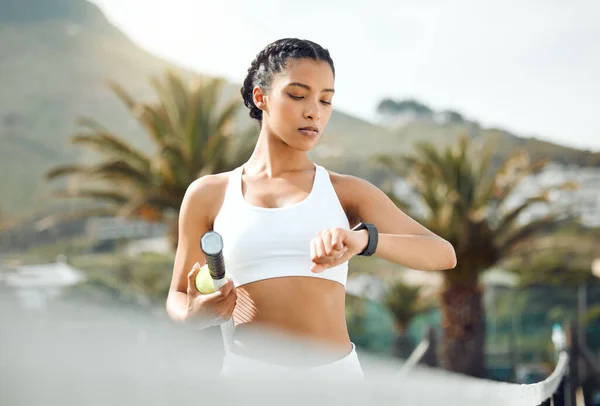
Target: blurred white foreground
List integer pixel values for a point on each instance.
(78, 352)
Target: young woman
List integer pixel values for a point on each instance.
(290, 226)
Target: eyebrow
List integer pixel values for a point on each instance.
(307, 87)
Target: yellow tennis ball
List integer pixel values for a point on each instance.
(204, 282)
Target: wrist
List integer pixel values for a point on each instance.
(372, 238)
(197, 321)
(364, 239)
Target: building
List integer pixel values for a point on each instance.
(36, 285)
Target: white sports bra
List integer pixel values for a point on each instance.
(261, 243)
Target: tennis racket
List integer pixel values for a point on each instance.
(211, 244)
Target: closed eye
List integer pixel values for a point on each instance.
(302, 97)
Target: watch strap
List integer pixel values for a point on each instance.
(373, 238)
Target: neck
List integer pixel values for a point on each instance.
(272, 156)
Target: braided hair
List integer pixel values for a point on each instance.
(271, 60)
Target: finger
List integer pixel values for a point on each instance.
(340, 260)
(225, 307)
(231, 310)
(231, 297)
(320, 247)
(219, 294)
(337, 240)
(332, 252)
(227, 288)
(191, 287)
(326, 241)
(336, 253)
(313, 250)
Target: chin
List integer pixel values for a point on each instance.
(306, 145)
(302, 144)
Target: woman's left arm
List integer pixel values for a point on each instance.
(402, 239)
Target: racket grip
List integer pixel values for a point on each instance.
(227, 327)
(218, 283)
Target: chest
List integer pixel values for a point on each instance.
(278, 192)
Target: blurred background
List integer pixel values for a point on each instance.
(477, 118)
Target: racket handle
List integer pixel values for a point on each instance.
(211, 244)
(227, 327)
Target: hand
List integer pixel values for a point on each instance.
(212, 309)
(335, 246)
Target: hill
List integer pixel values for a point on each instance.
(57, 56)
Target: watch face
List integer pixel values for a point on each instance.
(359, 226)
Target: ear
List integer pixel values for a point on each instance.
(260, 98)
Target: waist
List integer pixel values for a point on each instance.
(277, 348)
(296, 308)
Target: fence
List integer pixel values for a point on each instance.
(558, 389)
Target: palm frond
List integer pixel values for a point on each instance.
(122, 94)
(173, 101)
(544, 225)
(66, 170)
(513, 172)
(507, 220)
(157, 200)
(155, 121)
(109, 144)
(119, 171)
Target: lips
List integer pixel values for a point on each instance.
(310, 130)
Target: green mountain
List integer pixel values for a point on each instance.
(56, 59)
(57, 56)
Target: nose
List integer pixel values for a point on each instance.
(312, 111)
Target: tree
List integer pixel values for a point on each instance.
(389, 107)
(468, 204)
(191, 135)
(402, 300)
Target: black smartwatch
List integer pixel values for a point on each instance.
(373, 238)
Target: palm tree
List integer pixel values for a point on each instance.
(192, 137)
(466, 202)
(402, 300)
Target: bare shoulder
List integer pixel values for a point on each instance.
(209, 183)
(350, 190)
(205, 195)
(348, 183)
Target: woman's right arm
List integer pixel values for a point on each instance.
(184, 302)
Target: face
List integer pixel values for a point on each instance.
(298, 105)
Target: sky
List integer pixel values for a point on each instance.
(530, 67)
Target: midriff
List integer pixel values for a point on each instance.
(308, 311)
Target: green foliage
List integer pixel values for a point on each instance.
(453, 116)
(561, 259)
(531, 311)
(370, 325)
(192, 136)
(467, 207)
(146, 276)
(402, 301)
(392, 107)
(59, 63)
